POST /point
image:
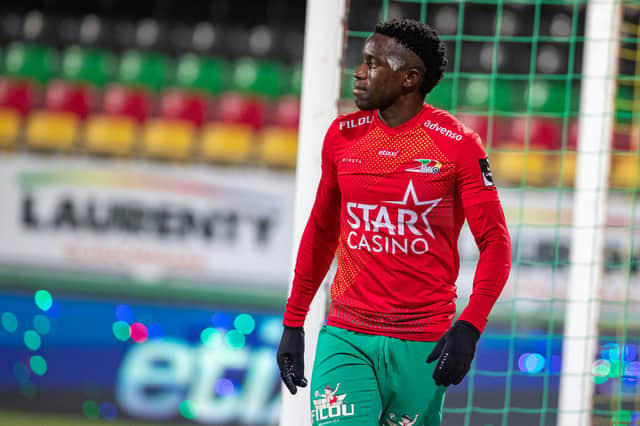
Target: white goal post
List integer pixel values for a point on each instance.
(321, 78)
(580, 338)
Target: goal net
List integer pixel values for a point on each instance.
(516, 75)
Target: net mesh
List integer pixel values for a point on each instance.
(514, 76)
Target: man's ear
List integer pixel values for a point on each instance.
(413, 78)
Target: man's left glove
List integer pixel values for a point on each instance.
(454, 352)
(291, 358)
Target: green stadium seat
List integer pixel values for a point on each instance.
(347, 85)
(145, 69)
(258, 77)
(476, 95)
(549, 97)
(93, 66)
(294, 86)
(34, 62)
(202, 73)
(441, 96)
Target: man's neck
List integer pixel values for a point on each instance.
(400, 112)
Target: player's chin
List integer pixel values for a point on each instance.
(364, 104)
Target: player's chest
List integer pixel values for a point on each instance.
(381, 168)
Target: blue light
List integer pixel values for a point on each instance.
(125, 313)
(531, 363)
(222, 320)
(155, 331)
(54, 310)
(224, 387)
(108, 411)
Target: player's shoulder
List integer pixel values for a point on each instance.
(450, 127)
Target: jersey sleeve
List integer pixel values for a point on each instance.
(488, 226)
(474, 182)
(319, 239)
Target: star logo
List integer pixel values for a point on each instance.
(430, 204)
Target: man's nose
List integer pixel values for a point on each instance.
(359, 72)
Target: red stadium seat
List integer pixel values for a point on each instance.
(287, 111)
(17, 95)
(126, 101)
(64, 97)
(182, 105)
(480, 124)
(234, 108)
(542, 133)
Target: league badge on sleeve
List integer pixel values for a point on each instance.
(486, 172)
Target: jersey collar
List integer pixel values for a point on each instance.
(402, 127)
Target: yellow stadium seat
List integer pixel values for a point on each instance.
(111, 135)
(229, 143)
(279, 146)
(9, 127)
(625, 171)
(52, 130)
(514, 166)
(168, 139)
(568, 168)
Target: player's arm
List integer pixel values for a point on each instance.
(315, 254)
(489, 228)
(483, 212)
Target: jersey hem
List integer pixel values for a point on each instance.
(423, 336)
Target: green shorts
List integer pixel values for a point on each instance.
(366, 380)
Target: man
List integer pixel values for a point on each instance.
(399, 178)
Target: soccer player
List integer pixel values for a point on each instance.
(399, 178)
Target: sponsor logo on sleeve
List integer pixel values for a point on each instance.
(487, 178)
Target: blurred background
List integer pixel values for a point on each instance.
(147, 159)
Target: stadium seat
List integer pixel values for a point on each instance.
(17, 95)
(258, 77)
(286, 111)
(94, 66)
(227, 143)
(203, 73)
(543, 133)
(514, 166)
(235, 108)
(9, 127)
(479, 123)
(33, 62)
(176, 104)
(126, 101)
(625, 171)
(143, 69)
(546, 96)
(168, 139)
(481, 95)
(278, 146)
(567, 168)
(440, 96)
(52, 130)
(111, 135)
(72, 98)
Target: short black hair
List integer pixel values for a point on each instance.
(422, 40)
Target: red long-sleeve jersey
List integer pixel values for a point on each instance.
(392, 201)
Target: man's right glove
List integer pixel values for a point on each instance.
(454, 352)
(291, 358)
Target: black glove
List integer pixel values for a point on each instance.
(291, 358)
(454, 352)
